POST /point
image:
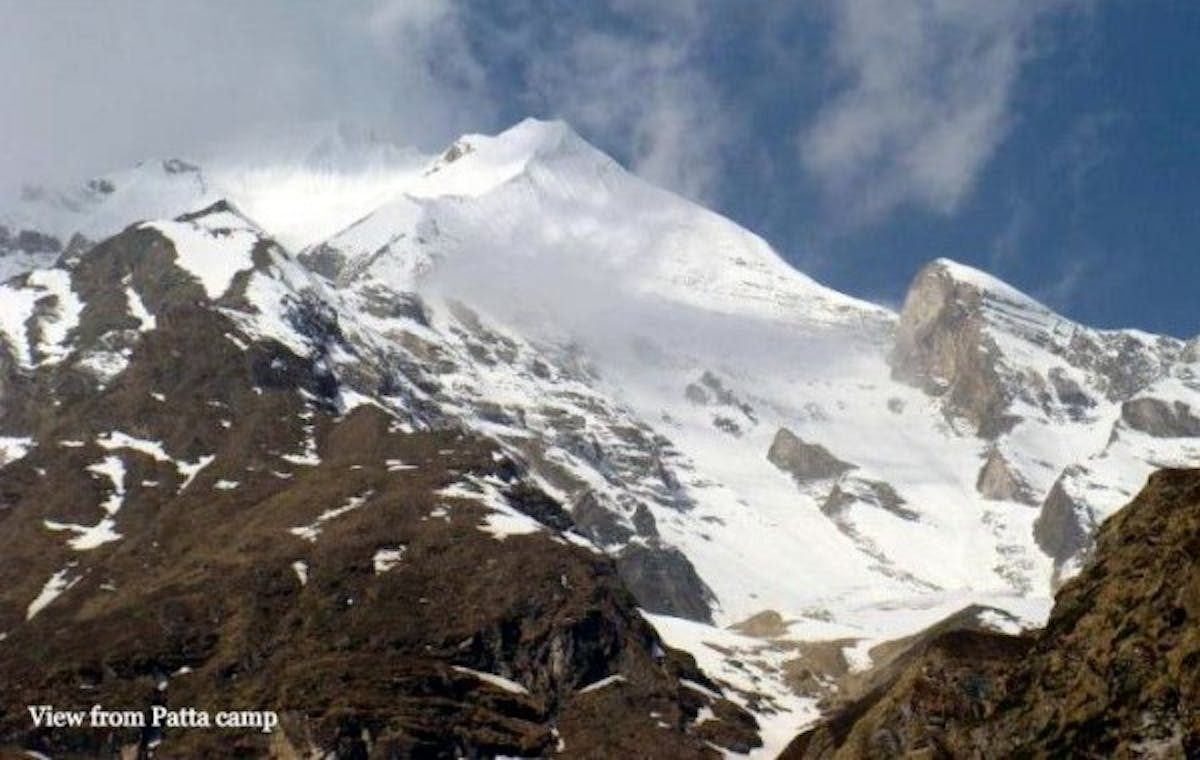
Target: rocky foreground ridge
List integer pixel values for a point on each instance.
(1115, 672)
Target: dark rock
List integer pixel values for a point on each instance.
(534, 502)
(324, 260)
(998, 481)
(872, 492)
(32, 241)
(805, 462)
(1063, 528)
(101, 186)
(387, 304)
(598, 522)
(179, 166)
(664, 581)
(1070, 394)
(1158, 418)
(726, 425)
(644, 522)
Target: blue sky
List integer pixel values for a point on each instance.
(1051, 142)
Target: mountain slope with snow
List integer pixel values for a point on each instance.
(744, 443)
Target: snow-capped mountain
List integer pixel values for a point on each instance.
(784, 476)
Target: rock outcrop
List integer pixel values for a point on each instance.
(1063, 528)
(874, 493)
(664, 581)
(1160, 419)
(805, 462)
(943, 347)
(999, 481)
(981, 346)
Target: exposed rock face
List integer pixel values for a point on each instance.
(664, 581)
(805, 462)
(1115, 673)
(598, 523)
(999, 481)
(942, 346)
(325, 261)
(1160, 418)
(873, 492)
(1063, 528)
(980, 346)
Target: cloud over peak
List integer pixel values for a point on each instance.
(924, 97)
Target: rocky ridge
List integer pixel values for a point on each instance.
(208, 515)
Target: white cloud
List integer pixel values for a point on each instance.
(426, 53)
(926, 98)
(646, 90)
(90, 87)
(140, 79)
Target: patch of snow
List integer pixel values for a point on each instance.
(386, 559)
(309, 457)
(602, 683)
(16, 309)
(212, 254)
(117, 440)
(1003, 623)
(699, 688)
(112, 468)
(747, 666)
(349, 400)
(858, 656)
(301, 569)
(13, 448)
(312, 530)
(189, 470)
(499, 682)
(54, 588)
(138, 310)
(87, 537)
(104, 365)
(56, 328)
(502, 520)
(235, 340)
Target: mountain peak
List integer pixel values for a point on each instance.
(531, 137)
(979, 281)
(475, 163)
